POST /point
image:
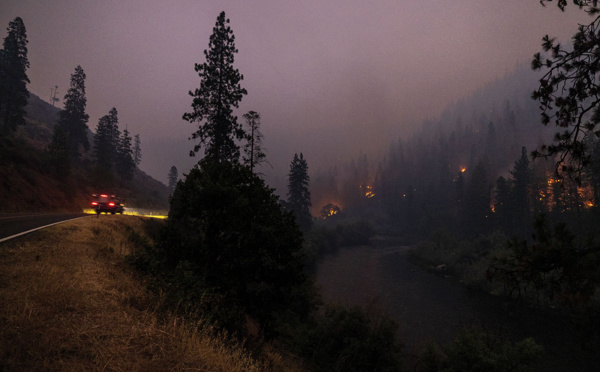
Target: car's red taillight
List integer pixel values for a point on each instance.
(104, 196)
(111, 204)
(94, 203)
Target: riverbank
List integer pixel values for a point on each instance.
(433, 307)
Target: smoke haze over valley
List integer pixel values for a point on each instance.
(330, 80)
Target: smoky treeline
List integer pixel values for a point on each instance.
(468, 171)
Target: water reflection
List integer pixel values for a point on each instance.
(431, 307)
(426, 306)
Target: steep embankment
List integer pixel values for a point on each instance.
(28, 182)
(28, 185)
(67, 302)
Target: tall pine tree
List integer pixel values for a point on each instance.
(125, 164)
(137, 150)
(519, 203)
(106, 141)
(173, 178)
(73, 118)
(298, 191)
(218, 94)
(253, 154)
(13, 76)
(477, 202)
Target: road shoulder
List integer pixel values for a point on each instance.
(69, 302)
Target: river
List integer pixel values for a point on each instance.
(432, 307)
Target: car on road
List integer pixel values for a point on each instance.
(107, 203)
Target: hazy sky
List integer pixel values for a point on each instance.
(330, 79)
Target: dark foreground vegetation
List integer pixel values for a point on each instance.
(235, 257)
(548, 287)
(323, 337)
(255, 283)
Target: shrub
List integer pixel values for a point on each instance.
(477, 350)
(344, 339)
(355, 233)
(466, 259)
(325, 238)
(554, 267)
(228, 230)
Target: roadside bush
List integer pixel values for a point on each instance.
(478, 350)
(554, 268)
(322, 240)
(466, 259)
(349, 339)
(325, 238)
(228, 230)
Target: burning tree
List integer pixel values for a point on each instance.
(329, 210)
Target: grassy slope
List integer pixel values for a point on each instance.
(67, 302)
(27, 182)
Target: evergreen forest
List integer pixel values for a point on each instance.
(469, 171)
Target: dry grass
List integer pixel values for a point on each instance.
(68, 303)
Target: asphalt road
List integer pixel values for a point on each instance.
(13, 224)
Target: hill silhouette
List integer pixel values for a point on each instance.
(28, 182)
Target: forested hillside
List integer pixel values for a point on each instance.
(29, 181)
(469, 171)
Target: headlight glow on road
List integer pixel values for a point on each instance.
(135, 212)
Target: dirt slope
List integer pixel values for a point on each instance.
(68, 302)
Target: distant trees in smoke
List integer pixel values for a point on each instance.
(137, 150)
(173, 177)
(468, 171)
(113, 151)
(125, 165)
(298, 192)
(70, 140)
(106, 141)
(115, 155)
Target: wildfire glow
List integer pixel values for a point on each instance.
(564, 197)
(463, 170)
(329, 210)
(369, 193)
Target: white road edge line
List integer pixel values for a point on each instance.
(38, 228)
